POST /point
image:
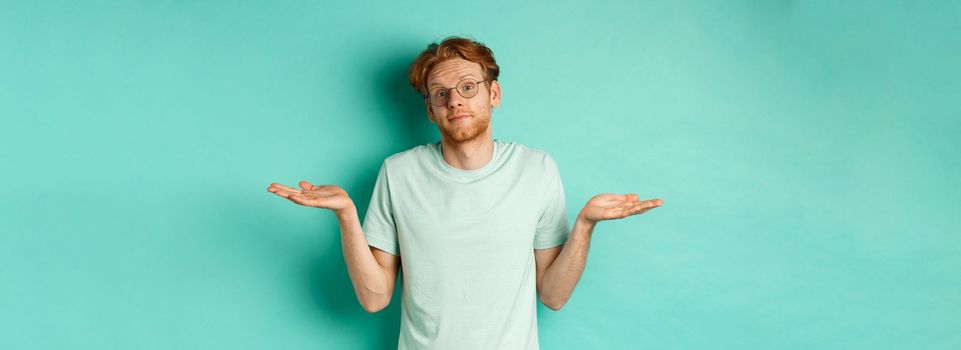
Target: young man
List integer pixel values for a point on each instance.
(478, 225)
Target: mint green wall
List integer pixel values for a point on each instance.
(807, 153)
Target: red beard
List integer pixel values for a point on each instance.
(464, 131)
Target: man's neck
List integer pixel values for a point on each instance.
(469, 155)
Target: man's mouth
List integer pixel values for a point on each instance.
(458, 116)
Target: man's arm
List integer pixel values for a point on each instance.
(372, 271)
(559, 269)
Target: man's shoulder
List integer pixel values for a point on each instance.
(531, 152)
(533, 156)
(410, 156)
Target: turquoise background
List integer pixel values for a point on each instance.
(807, 153)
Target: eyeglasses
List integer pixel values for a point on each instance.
(466, 88)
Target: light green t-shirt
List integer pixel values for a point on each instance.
(466, 241)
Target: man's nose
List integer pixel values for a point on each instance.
(454, 99)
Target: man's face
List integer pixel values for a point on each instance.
(473, 115)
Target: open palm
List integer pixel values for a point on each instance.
(324, 196)
(610, 206)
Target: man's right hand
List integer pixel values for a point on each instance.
(373, 272)
(324, 196)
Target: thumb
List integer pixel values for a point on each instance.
(306, 185)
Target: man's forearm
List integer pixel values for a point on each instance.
(561, 277)
(367, 276)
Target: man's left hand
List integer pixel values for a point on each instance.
(610, 206)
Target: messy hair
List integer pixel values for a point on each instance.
(451, 47)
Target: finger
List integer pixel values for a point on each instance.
(644, 207)
(650, 203)
(277, 187)
(287, 194)
(299, 199)
(283, 191)
(631, 197)
(307, 185)
(310, 200)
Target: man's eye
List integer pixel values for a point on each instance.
(441, 94)
(468, 87)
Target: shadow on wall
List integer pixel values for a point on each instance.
(403, 110)
(326, 286)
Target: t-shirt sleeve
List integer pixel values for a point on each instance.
(553, 227)
(379, 226)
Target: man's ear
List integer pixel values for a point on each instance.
(495, 93)
(430, 112)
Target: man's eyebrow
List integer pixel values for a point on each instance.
(458, 79)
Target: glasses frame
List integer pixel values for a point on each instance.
(431, 100)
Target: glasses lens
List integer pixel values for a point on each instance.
(467, 88)
(439, 97)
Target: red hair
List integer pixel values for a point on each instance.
(452, 47)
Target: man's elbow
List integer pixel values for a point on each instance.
(553, 303)
(375, 306)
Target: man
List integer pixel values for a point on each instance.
(478, 225)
